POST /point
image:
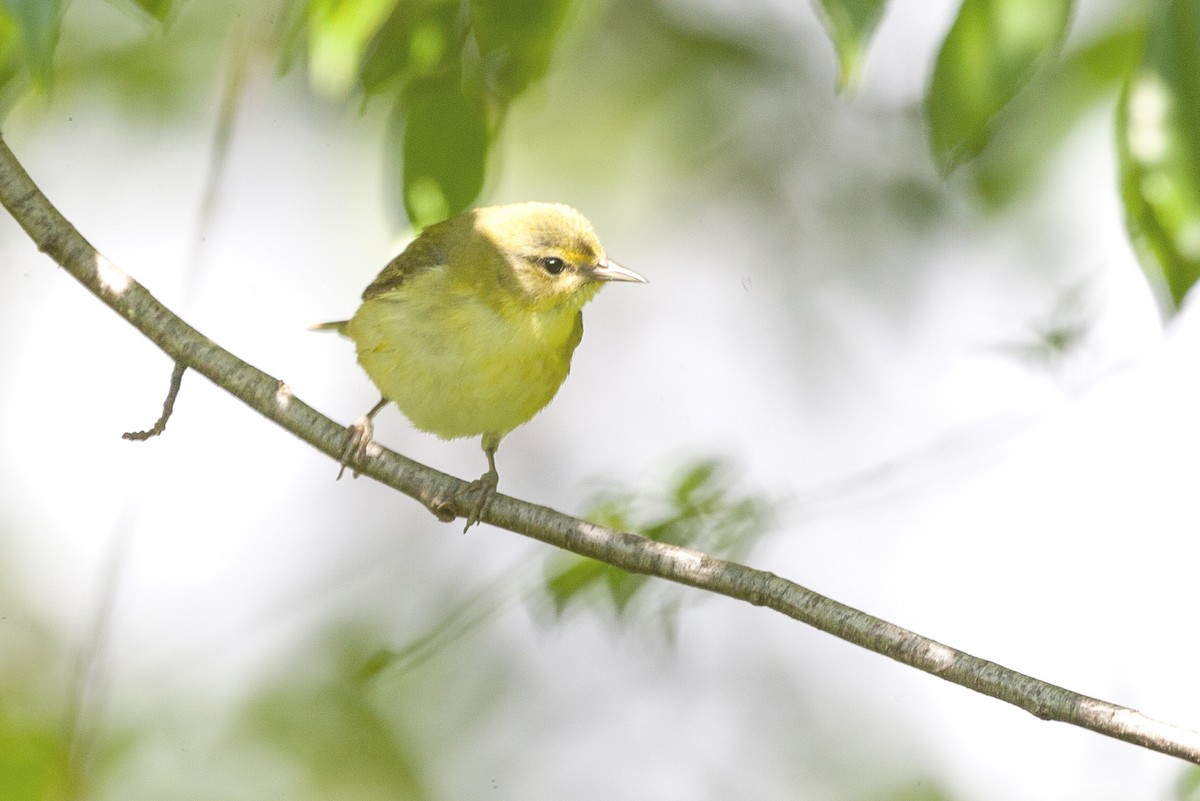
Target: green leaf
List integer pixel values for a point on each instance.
(1188, 786)
(698, 509)
(445, 146)
(33, 763)
(417, 40)
(159, 9)
(993, 49)
(38, 23)
(412, 42)
(338, 34)
(1038, 121)
(516, 39)
(330, 732)
(850, 24)
(1158, 142)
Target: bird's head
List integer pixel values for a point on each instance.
(547, 254)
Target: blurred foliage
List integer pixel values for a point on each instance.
(1188, 788)
(329, 731)
(35, 740)
(1158, 138)
(923, 790)
(992, 51)
(685, 85)
(36, 23)
(1000, 92)
(1047, 110)
(699, 510)
(850, 24)
(450, 70)
(34, 763)
(480, 606)
(158, 9)
(308, 731)
(1000, 97)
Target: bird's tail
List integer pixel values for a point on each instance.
(339, 326)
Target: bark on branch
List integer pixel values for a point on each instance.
(190, 349)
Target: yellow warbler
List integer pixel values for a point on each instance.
(470, 330)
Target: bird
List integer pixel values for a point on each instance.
(471, 329)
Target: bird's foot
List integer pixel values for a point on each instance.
(359, 436)
(476, 498)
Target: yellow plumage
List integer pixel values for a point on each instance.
(471, 329)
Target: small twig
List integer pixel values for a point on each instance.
(160, 425)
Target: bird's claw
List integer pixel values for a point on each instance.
(359, 436)
(477, 497)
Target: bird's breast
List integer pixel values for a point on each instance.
(461, 368)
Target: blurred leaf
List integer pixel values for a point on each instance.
(461, 618)
(991, 52)
(416, 40)
(291, 33)
(10, 60)
(1158, 140)
(1041, 116)
(143, 70)
(850, 24)
(928, 789)
(516, 39)
(338, 34)
(1188, 787)
(159, 9)
(457, 74)
(33, 764)
(699, 510)
(38, 23)
(331, 733)
(446, 139)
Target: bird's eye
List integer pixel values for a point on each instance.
(553, 265)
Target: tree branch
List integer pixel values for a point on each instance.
(270, 397)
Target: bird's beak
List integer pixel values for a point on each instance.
(608, 270)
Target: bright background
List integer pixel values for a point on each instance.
(868, 346)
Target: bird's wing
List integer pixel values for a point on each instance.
(576, 337)
(424, 253)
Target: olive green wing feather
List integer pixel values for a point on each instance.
(423, 253)
(576, 337)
